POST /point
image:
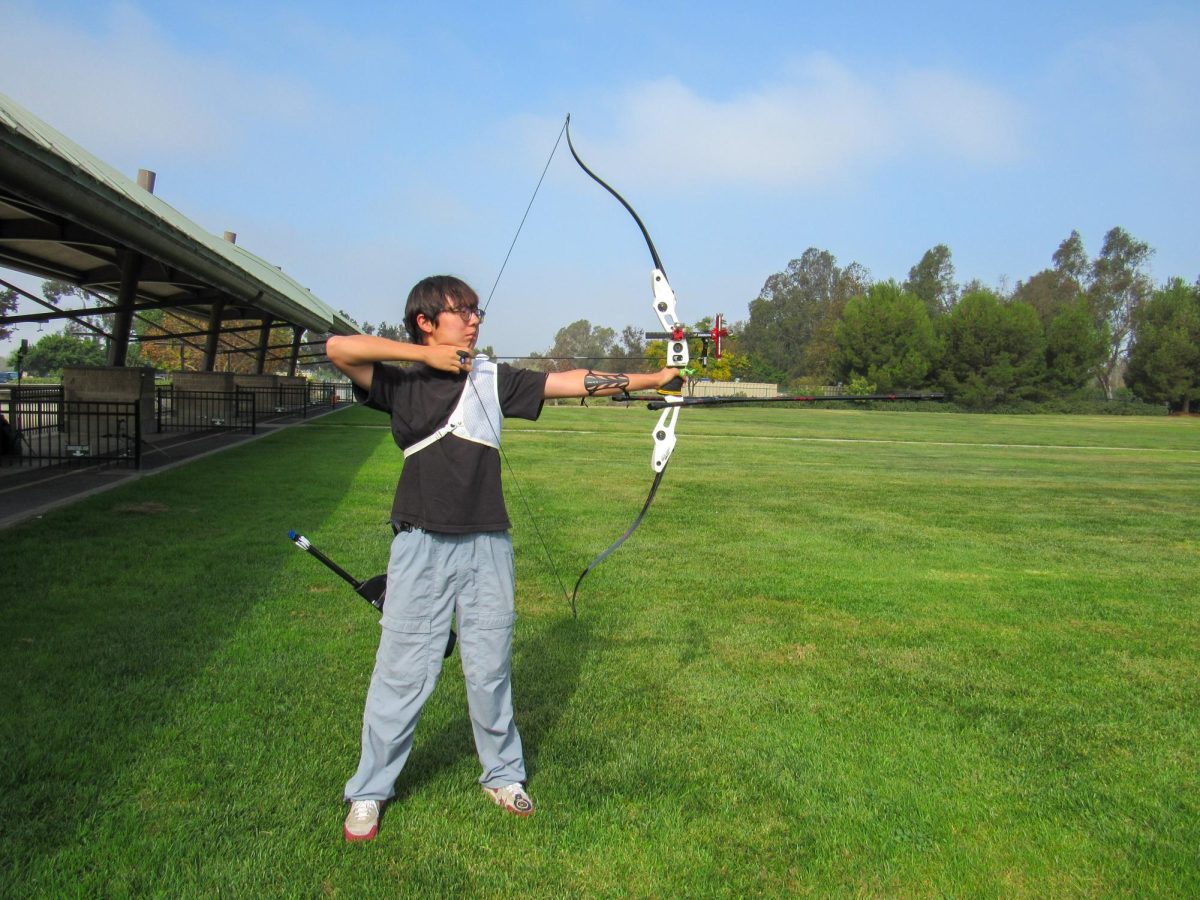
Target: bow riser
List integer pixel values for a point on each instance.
(664, 437)
(664, 308)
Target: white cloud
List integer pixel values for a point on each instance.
(821, 122)
(124, 88)
(1140, 77)
(335, 47)
(950, 116)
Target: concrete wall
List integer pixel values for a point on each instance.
(194, 403)
(263, 387)
(204, 381)
(113, 384)
(255, 381)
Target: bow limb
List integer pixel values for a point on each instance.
(619, 541)
(677, 356)
(664, 296)
(658, 266)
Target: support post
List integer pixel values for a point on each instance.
(131, 270)
(264, 340)
(212, 339)
(297, 333)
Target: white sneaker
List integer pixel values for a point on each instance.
(512, 797)
(363, 820)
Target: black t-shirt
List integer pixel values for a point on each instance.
(453, 485)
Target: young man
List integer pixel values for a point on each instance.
(452, 555)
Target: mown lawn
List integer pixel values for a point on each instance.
(848, 653)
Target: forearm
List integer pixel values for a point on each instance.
(590, 383)
(346, 351)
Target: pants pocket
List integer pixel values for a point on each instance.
(487, 647)
(403, 659)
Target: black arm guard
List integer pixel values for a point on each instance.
(593, 382)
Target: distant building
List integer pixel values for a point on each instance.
(732, 389)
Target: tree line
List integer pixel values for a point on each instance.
(1081, 324)
(1082, 327)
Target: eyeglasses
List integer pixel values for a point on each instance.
(466, 312)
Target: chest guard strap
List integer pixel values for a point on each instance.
(477, 415)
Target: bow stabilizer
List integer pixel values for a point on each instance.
(667, 402)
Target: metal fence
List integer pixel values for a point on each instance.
(48, 430)
(330, 393)
(31, 406)
(45, 429)
(300, 400)
(176, 410)
(243, 408)
(279, 401)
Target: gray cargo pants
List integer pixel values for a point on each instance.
(432, 577)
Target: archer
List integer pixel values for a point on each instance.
(452, 556)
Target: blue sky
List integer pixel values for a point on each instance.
(364, 146)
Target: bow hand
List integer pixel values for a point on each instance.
(673, 381)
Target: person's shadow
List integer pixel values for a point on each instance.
(547, 664)
(116, 625)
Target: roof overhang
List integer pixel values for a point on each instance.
(66, 214)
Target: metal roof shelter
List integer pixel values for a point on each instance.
(65, 214)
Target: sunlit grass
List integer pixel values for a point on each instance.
(848, 652)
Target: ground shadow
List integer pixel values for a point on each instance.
(114, 606)
(547, 665)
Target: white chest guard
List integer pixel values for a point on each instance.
(477, 415)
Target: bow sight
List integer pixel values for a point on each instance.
(678, 337)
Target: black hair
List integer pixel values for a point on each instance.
(431, 296)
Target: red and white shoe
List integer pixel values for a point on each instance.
(362, 823)
(512, 797)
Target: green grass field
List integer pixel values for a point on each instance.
(848, 653)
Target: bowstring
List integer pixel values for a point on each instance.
(499, 446)
(528, 207)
